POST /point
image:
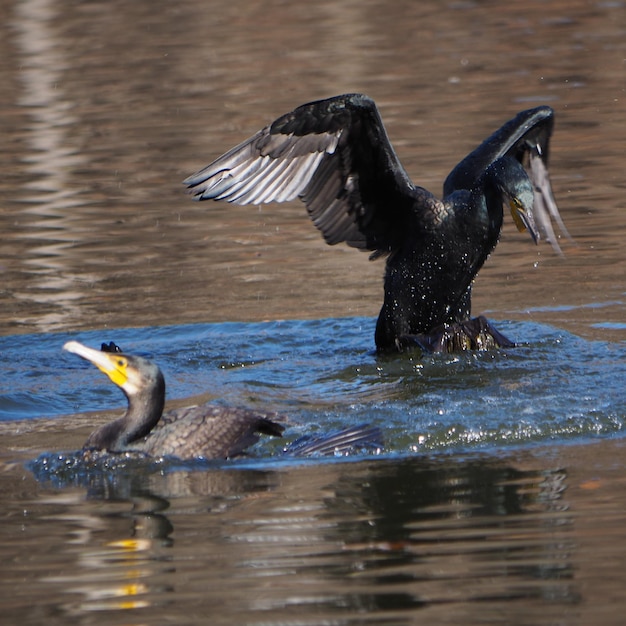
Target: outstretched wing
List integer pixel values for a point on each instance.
(527, 138)
(335, 156)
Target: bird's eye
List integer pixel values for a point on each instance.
(121, 362)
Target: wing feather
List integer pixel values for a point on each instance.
(319, 152)
(336, 157)
(208, 431)
(526, 137)
(545, 208)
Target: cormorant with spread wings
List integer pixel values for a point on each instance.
(336, 157)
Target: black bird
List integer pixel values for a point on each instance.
(336, 157)
(206, 431)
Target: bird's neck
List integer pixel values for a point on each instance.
(143, 414)
(487, 197)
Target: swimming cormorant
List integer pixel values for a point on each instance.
(206, 431)
(336, 157)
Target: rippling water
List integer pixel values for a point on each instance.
(544, 389)
(339, 543)
(499, 495)
(465, 514)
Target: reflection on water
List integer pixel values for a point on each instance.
(50, 197)
(330, 539)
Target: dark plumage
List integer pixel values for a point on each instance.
(336, 157)
(207, 431)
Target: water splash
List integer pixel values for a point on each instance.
(554, 388)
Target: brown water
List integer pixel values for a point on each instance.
(106, 107)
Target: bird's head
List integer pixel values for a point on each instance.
(133, 374)
(516, 187)
(521, 206)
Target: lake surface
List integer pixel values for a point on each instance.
(499, 496)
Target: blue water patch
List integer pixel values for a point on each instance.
(325, 375)
(610, 325)
(573, 307)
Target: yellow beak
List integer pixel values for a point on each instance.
(523, 220)
(112, 364)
